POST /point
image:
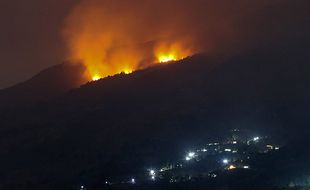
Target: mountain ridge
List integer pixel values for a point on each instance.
(167, 107)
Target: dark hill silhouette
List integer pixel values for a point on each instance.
(48, 84)
(115, 125)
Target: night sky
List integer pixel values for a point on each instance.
(32, 37)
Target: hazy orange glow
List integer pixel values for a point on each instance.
(111, 37)
(103, 59)
(108, 42)
(166, 58)
(171, 52)
(124, 59)
(95, 77)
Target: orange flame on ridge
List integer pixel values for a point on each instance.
(165, 52)
(108, 43)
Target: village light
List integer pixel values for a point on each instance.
(191, 154)
(231, 167)
(133, 181)
(152, 172)
(225, 161)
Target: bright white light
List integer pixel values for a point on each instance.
(82, 187)
(246, 167)
(133, 181)
(153, 177)
(191, 154)
(225, 161)
(152, 172)
(256, 138)
(277, 148)
(234, 142)
(227, 150)
(204, 150)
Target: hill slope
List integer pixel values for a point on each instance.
(104, 128)
(46, 85)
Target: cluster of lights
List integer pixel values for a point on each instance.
(228, 163)
(255, 139)
(152, 174)
(190, 156)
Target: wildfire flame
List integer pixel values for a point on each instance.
(166, 52)
(111, 37)
(126, 63)
(166, 58)
(125, 60)
(95, 77)
(108, 43)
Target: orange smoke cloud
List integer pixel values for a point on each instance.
(117, 36)
(113, 37)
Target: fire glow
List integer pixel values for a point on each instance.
(171, 52)
(167, 58)
(111, 37)
(127, 60)
(108, 43)
(97, 70)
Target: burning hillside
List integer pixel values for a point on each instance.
(111, 37)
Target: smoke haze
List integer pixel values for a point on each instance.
(30, 30)
(112, 36)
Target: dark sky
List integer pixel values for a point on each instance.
(31, 30)
(30, 37)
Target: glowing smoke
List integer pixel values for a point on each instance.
(113, 36)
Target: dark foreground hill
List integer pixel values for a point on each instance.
(115, 125)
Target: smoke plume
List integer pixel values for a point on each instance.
(113, 36)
